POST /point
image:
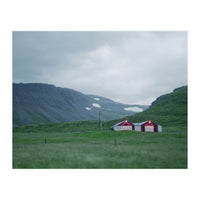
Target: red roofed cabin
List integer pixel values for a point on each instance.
(147, 126)
(123, 126)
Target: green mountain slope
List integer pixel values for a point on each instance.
(166, 110)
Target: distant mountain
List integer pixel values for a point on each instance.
(167, 110)
(36, 103)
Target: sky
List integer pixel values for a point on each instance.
(126, 66)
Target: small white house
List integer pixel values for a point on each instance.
(147, 126)
(123, 126)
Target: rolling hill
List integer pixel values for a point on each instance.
(37, 103)
(167, 110)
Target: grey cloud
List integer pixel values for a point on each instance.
(130, 67)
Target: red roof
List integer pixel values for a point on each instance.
(125, 123)
(149, 123)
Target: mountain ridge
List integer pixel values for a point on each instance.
(36, 103)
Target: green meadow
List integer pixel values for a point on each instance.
(73, 145)
(80, 144)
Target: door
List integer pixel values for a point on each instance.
(149, 128)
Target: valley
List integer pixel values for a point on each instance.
(81, 145)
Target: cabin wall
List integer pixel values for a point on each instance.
(149, 128)
(122, 128)
(137, 128)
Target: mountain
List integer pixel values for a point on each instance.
(167, 110)
(36, 103)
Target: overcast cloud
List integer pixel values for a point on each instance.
(128, 67)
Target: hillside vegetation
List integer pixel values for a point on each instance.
(166, 110)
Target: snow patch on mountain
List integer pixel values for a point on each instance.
(134, 109)
(96, 98)
(96, 105)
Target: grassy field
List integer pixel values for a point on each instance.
(67, 146)
(79, 144)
